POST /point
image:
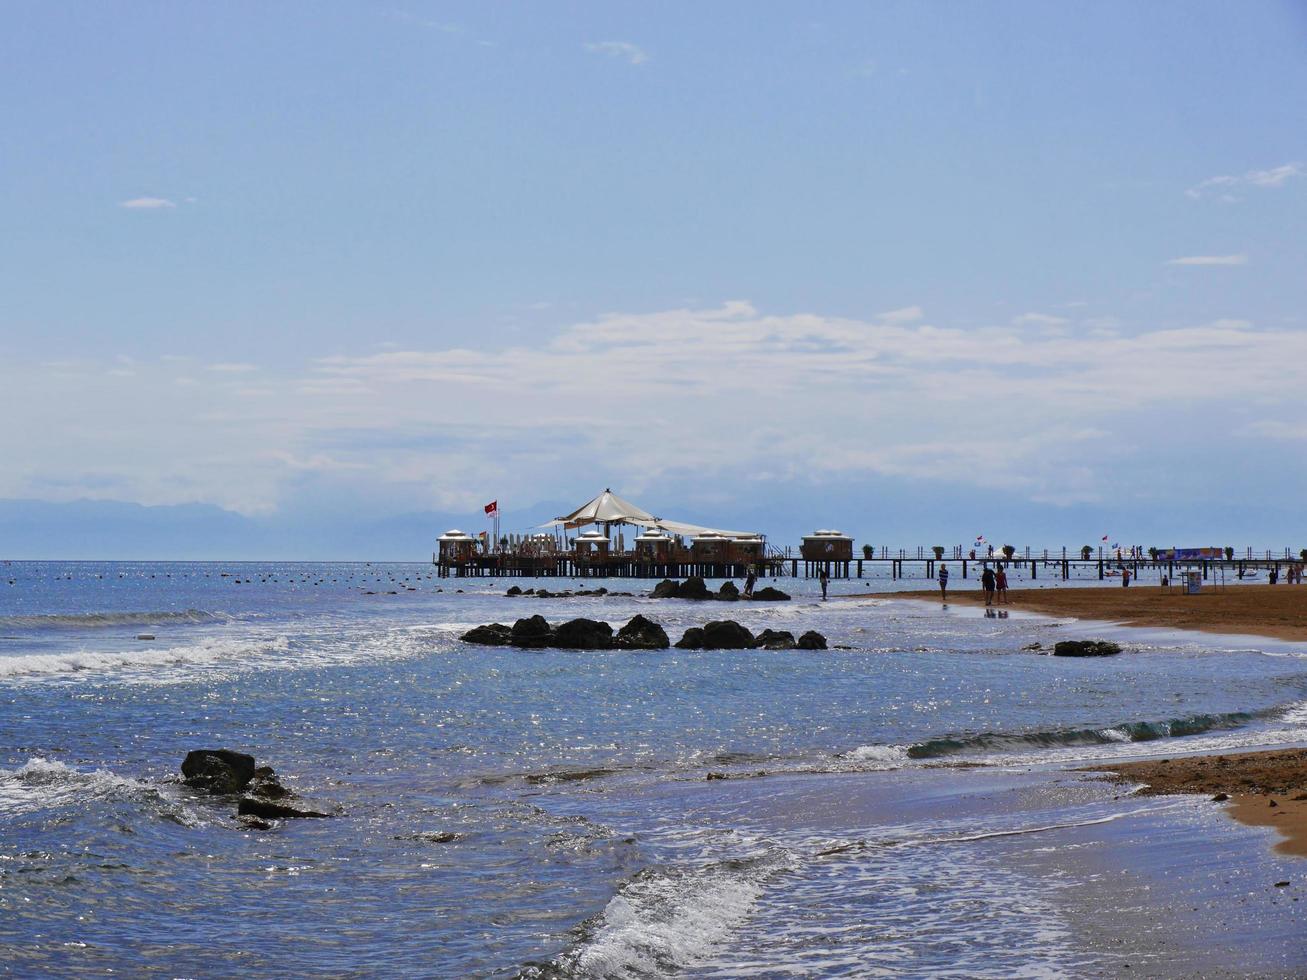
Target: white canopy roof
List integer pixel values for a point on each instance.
(608, 508)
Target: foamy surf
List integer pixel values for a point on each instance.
(46, 784)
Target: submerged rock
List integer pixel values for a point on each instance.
(774, 640)
(726, 634)
(692, 640)
(491, 635)
(218, 770)
(253, 807)
(642, 634)
(532, 633)
(1086, 648)
(812, 640)
(583, 634)
(729, 592)
(768, 594)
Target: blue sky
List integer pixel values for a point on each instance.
(1041, 264)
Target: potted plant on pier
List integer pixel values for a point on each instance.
(1086, 551)
(1303, 554)
(1152, 553)
(1229, 554)
(1008, 551)
(939, 551)
(868, 552)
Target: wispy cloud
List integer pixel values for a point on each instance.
(1039, 320)
(1209, 260)
(1225, 184)
(624, 50)
(147, 203)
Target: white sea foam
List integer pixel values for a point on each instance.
(44, 784)
(879, 756)
(148, 661)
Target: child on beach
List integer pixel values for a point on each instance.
(943, 582)
(987, 583)
(1000, 583)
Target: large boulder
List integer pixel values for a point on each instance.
(266, 785)
(774, 640)
(514, 590)
(218, 770)
(693, 588)
(768, 594)
(812, 640)
(491, 635)
(583, 634)
(666, 589)
(726, 634)
(692, 640)
(533, 633)
(1086, 648)
(729, 592)
(642, 634)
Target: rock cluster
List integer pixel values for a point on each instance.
(535, 633)
(223, 772)
(1086, 648)
(516, 590)
(640, 633)
(695, 588)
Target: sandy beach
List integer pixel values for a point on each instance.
(1276, 611)
(1263, 789)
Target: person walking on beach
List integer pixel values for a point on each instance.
(1125, 578)
(987, 583)
(1000, 583)
(749, 581)
(824, 579)
(943, 582)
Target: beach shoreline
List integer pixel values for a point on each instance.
(1265, 788)
(1277, 612)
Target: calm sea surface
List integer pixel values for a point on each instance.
(904, 806)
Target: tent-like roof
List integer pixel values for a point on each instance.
(608, 508)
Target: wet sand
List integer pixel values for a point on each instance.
(1264, 789)
(1276, 611)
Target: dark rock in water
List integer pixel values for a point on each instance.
(1220, 797)
(265, 784)
(693, 588)
(666, 589)
(529, 592)
(251, 807)
(692, 640)
(145, 636)
(254, 823)
(1033, 646)
(715, 775)
(218, 770)
(768, 594)
(544, 594)
(584, 634)
(729, 592)
(1086, 648)
(493, 635)
(726, 634)
(533, 633)
(642, 634)
(774, 640)
(812, 640)
(514, 590)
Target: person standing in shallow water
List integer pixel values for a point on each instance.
(749, 581)
(824, 579)
(987, 583)
(1000, 583)
(943, 582)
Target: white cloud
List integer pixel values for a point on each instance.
(147, 203)
(718, 392)
(625, 50)
(1222, 185)
(1209, 260)
(1039, 320)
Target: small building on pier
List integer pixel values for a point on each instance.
(457, 546)
(748, 548)
(592, 546)
(654, 546)
(711, 548)
(823, 546)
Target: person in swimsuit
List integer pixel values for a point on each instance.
(1000, 583)
(943, 582)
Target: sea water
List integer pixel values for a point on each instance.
(905, 803)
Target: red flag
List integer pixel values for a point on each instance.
(492, 507)
(1104, 537)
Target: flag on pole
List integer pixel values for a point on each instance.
(492, 507)
(1104, 537)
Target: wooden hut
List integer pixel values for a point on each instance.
(824, 546)
(711, 548)
(653, 546)
(591, 545)
(746, 549)
(457, 546)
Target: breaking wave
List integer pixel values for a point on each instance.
(100, 620)
(44, 784)
(212, 652)
(662, 922)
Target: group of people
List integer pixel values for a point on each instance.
(992, 580)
